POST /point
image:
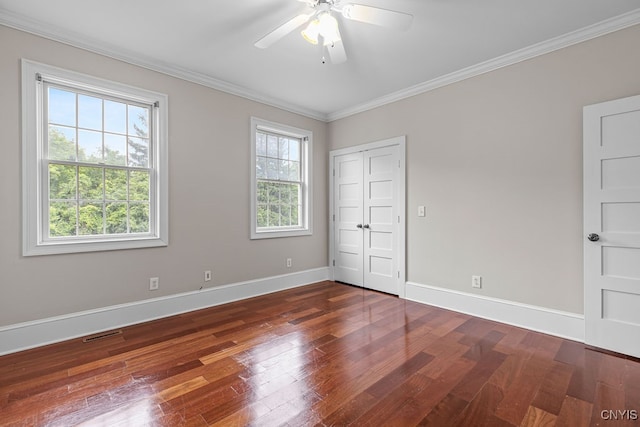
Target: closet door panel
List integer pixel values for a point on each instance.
(380, 219)
(348, 211)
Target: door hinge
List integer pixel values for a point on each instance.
(398, 163)
(334, 217)
(398, 219)
(38, 77)
(398, 274)
(334, 262)
(334, 172)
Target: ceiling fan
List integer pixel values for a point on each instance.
(323, 26)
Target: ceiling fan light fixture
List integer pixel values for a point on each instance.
(328, 28)
(322, 27)
(325, 26)
(312, 32)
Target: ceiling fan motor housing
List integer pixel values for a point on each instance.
(323, 5)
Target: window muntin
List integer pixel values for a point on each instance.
(94, 163)
(280, 180)
(97, 155)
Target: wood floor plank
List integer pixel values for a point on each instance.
(135, 413)
(610, 399)
(322, 354)
(28, 387)
(553, 388)
(353, 409)
(520, 394)
(444, 351)
(536, 417)
(386, 410)
(183, 388)
(613, 372)
(574, 413)
(512, 339)
(482, 406)
(585, 376)
(509, 370)
(445, 412)
(479, 375)
(632, 384)
(399, 375)
(423, 402)
(483, 345)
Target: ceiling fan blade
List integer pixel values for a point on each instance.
(377, 16)
(282, 31)
(337, 53)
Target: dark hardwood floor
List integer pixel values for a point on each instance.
(324, 354)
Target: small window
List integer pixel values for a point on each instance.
(94, 163)
(281, 188)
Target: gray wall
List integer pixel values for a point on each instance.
(497, 161)
(209, 197)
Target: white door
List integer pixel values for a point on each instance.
(348, 222)
(367, 244)
(612, 225)
(381, 169)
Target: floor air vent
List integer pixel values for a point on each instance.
(101, 335)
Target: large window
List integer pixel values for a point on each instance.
(281, 188)
(94, 156)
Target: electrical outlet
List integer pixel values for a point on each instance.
(207, 276)
(476, 282)
(154, 283)
(421, 211)
(289, 264)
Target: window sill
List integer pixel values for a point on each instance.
(69, 247)
(272, 234)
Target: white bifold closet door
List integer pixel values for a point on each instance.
(367, 218)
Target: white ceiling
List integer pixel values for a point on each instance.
(211, 42)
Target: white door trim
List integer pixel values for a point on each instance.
(399, 141)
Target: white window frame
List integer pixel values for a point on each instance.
(34, 186)
(306, 150)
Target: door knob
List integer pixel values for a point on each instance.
(359, 226)
(366, 226)
(593, 237)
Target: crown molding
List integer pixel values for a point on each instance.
(607, 26)
(70, 38)
(73, 39)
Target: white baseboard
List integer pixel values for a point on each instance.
(23, 336)
(553, 322)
